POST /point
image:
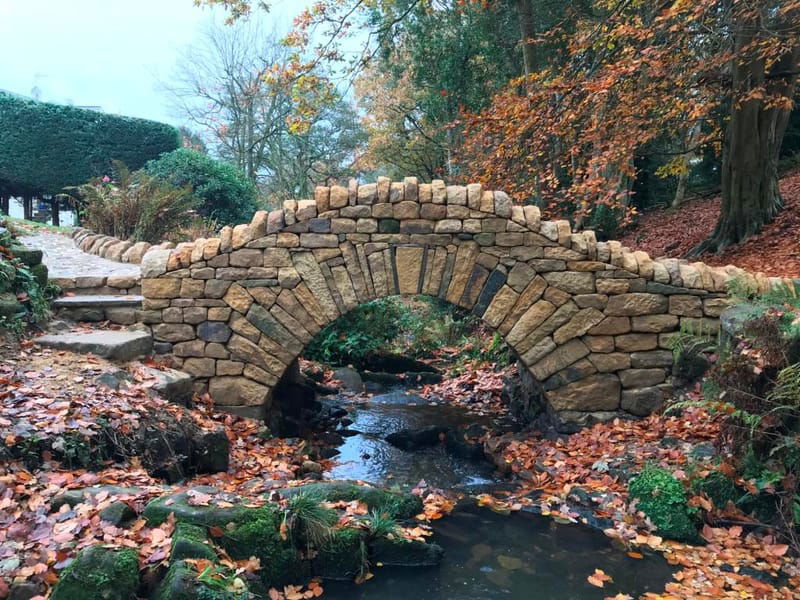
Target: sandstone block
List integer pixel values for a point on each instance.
(636, 304)
(685, 306)
(572, 282)
(613, 361)
(594, 393)
(654, 323)
(173, 332)
(636, 342)
(237, 391)
(642, 402)
(161, 288)
(560, 358)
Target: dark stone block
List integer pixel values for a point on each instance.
(317, 225)
(388, 226)
(214, 331)
(496, 280)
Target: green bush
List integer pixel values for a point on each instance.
(45, 148)
(362, 331)
(413, 327)
(223, 192)
(662, 498)
(134, 206)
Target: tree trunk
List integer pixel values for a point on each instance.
(750, 194)
(4, 204)
(55, 204)
(692, 137)
(527, 32)
(27, 207)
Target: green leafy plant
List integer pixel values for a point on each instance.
(223, 192)
(663, 499)
(134, 205)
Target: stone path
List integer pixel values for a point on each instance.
(65, 260)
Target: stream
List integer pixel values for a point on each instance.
(487, 555)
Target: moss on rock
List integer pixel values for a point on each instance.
(182, 583)
(191, 541)
(258, 534)
(158, 510)
(395, 504)
(663, 499)
(342, 556)
(719, 488)
(100, 573)
(397, 552)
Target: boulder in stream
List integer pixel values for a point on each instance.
(415, 439)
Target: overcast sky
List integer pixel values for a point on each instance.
(110, 53)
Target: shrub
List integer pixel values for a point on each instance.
(662, 498)
(415, 327)
(361, 332)
(755, 387)
(133, 206)
(25, 294)
(223, 192)
(45, 148)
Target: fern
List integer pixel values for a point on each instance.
(786, 392)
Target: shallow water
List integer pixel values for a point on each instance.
(370, 458)
(487, 555)
(521, 556)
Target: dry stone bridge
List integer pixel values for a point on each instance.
(590, 320)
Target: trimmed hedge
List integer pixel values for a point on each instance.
(223, 191)
(47, 147)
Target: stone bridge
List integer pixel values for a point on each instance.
(590, 320)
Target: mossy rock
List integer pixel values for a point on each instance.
(258, 534)
(397, 552)
(395, 504)
(28, 256)
(191, 541)
(663, 499)
(101, 574)
(10, 306)
(763, 507)
(342, 556)
(182, 583)
(118, 513)
(719, 488)
(77, 496)
(40, 273)
(158, 510)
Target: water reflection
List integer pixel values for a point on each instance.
(520, 556)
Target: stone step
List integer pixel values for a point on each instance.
(117, 345)
(95, 301)
(92, 309)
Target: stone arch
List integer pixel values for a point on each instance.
(589, 320)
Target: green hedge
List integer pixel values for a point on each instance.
(224, 193)
(47, 147)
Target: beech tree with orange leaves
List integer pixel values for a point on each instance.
(707, 75)
(719, 74)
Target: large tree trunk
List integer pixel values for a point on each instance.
(55, 206)
(527, 32)
(750, 194)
